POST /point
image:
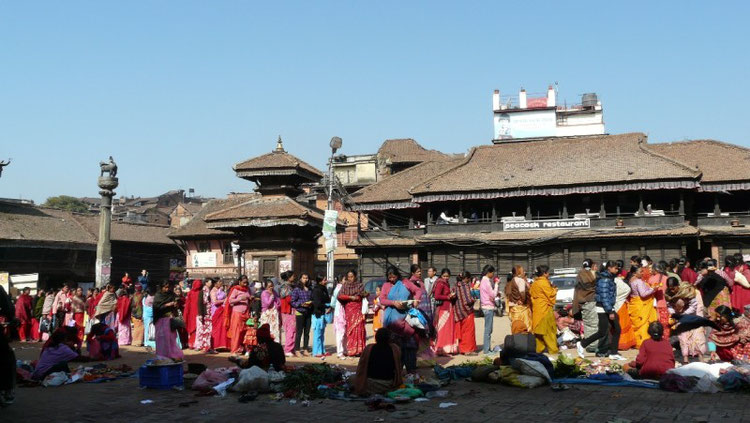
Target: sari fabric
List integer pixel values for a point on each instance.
(446, 341)
(518, 302)
(627, 333)
(218, 328)
(642, 313)
(543, 324)
(190, 313)
(356, 335)
(203, 322)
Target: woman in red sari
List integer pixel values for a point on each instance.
(123, 318)
(236, 312)
(218, 328)
(190, 313)
(464, 315)
(79, 308)
(740, 273)
(350, 296)
(446, 342)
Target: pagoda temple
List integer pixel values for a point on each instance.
(271, 230)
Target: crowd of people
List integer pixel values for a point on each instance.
(654, 307)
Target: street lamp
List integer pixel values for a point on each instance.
(335, 144)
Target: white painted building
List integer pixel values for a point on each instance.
(541, 116)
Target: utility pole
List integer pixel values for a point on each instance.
(329, 224)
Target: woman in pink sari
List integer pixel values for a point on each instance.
(350, 296)
(203, 322)
(123, 318)
(218, 328)
(165, 308)
(446, 342)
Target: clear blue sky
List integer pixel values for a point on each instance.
(178, 91)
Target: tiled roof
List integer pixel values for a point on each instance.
(197, 227)
(264, 211)
(276, 163)
(527, 237)
(395, 188)
(558, 167)
(30, 223)
(127, 232)
(407, 150)
(718, 161)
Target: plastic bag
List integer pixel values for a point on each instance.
(55, 379)
(411, 392)
(416, 319)
(208, 379)
(275, 377)
(701, 369)
(531, 368)
(252, 379)
(151, 332)
(221, 388)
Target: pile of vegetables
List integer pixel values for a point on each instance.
(567, 367)
(303, 382)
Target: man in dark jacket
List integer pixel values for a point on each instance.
(606, 294)
(584, 298)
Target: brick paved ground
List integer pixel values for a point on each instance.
(120, 401)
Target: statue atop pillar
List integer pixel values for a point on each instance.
(2, 165)
(107, 183)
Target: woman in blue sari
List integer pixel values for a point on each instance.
(395, 296)
(148, 318)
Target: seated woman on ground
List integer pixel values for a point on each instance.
(732, 338)
(379, 368)
(101, 343)
(264, 354)
(655, 356)
(54, 357)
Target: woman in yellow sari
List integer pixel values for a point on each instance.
(641, 305)
(518, 301)
(543, 298)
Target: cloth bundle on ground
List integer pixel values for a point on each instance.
(676, 383)
(512, 377)
(705, 376)
(701, 369)
(733, 381)
(212, 377)
(608, 380)
(453, 372)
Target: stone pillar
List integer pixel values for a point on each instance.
(107, 184)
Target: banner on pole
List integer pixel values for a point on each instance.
(329, 224)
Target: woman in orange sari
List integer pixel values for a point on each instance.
(377, 318)
(627, 335)
(640, 305)
(543, 298)
(519, 301)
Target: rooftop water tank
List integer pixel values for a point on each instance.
(589, 100)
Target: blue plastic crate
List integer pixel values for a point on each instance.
(160, 377)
